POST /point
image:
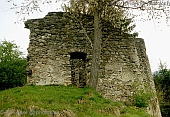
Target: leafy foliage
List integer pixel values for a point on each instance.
(12, 66)
(162, 81)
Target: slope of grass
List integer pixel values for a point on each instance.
(61, 101)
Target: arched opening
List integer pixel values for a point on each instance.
(78, 68)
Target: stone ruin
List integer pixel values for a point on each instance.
(60, 53)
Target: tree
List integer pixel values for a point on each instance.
(101, 10)
(12, 66)
(162, 81)
(98, 8)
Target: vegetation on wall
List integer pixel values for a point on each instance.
(141, 95)
(141, 98)
(12, 66)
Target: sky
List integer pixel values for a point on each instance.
(156, 36)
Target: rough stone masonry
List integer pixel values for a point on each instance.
(60, 53)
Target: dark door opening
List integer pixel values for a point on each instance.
(78, 68)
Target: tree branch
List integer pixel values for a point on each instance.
(104, 43)
(86, 34)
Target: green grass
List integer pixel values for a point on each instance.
(42, 101)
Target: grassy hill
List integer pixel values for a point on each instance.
(61, 101)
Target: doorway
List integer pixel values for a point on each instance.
(78, 68)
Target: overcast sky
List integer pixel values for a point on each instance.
(156, 36)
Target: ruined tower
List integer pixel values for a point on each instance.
(61, 54)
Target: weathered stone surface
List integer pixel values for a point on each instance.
(52, 58)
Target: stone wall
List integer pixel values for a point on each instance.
(60, 53)
(49, 50)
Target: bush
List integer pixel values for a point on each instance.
(12, 66)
